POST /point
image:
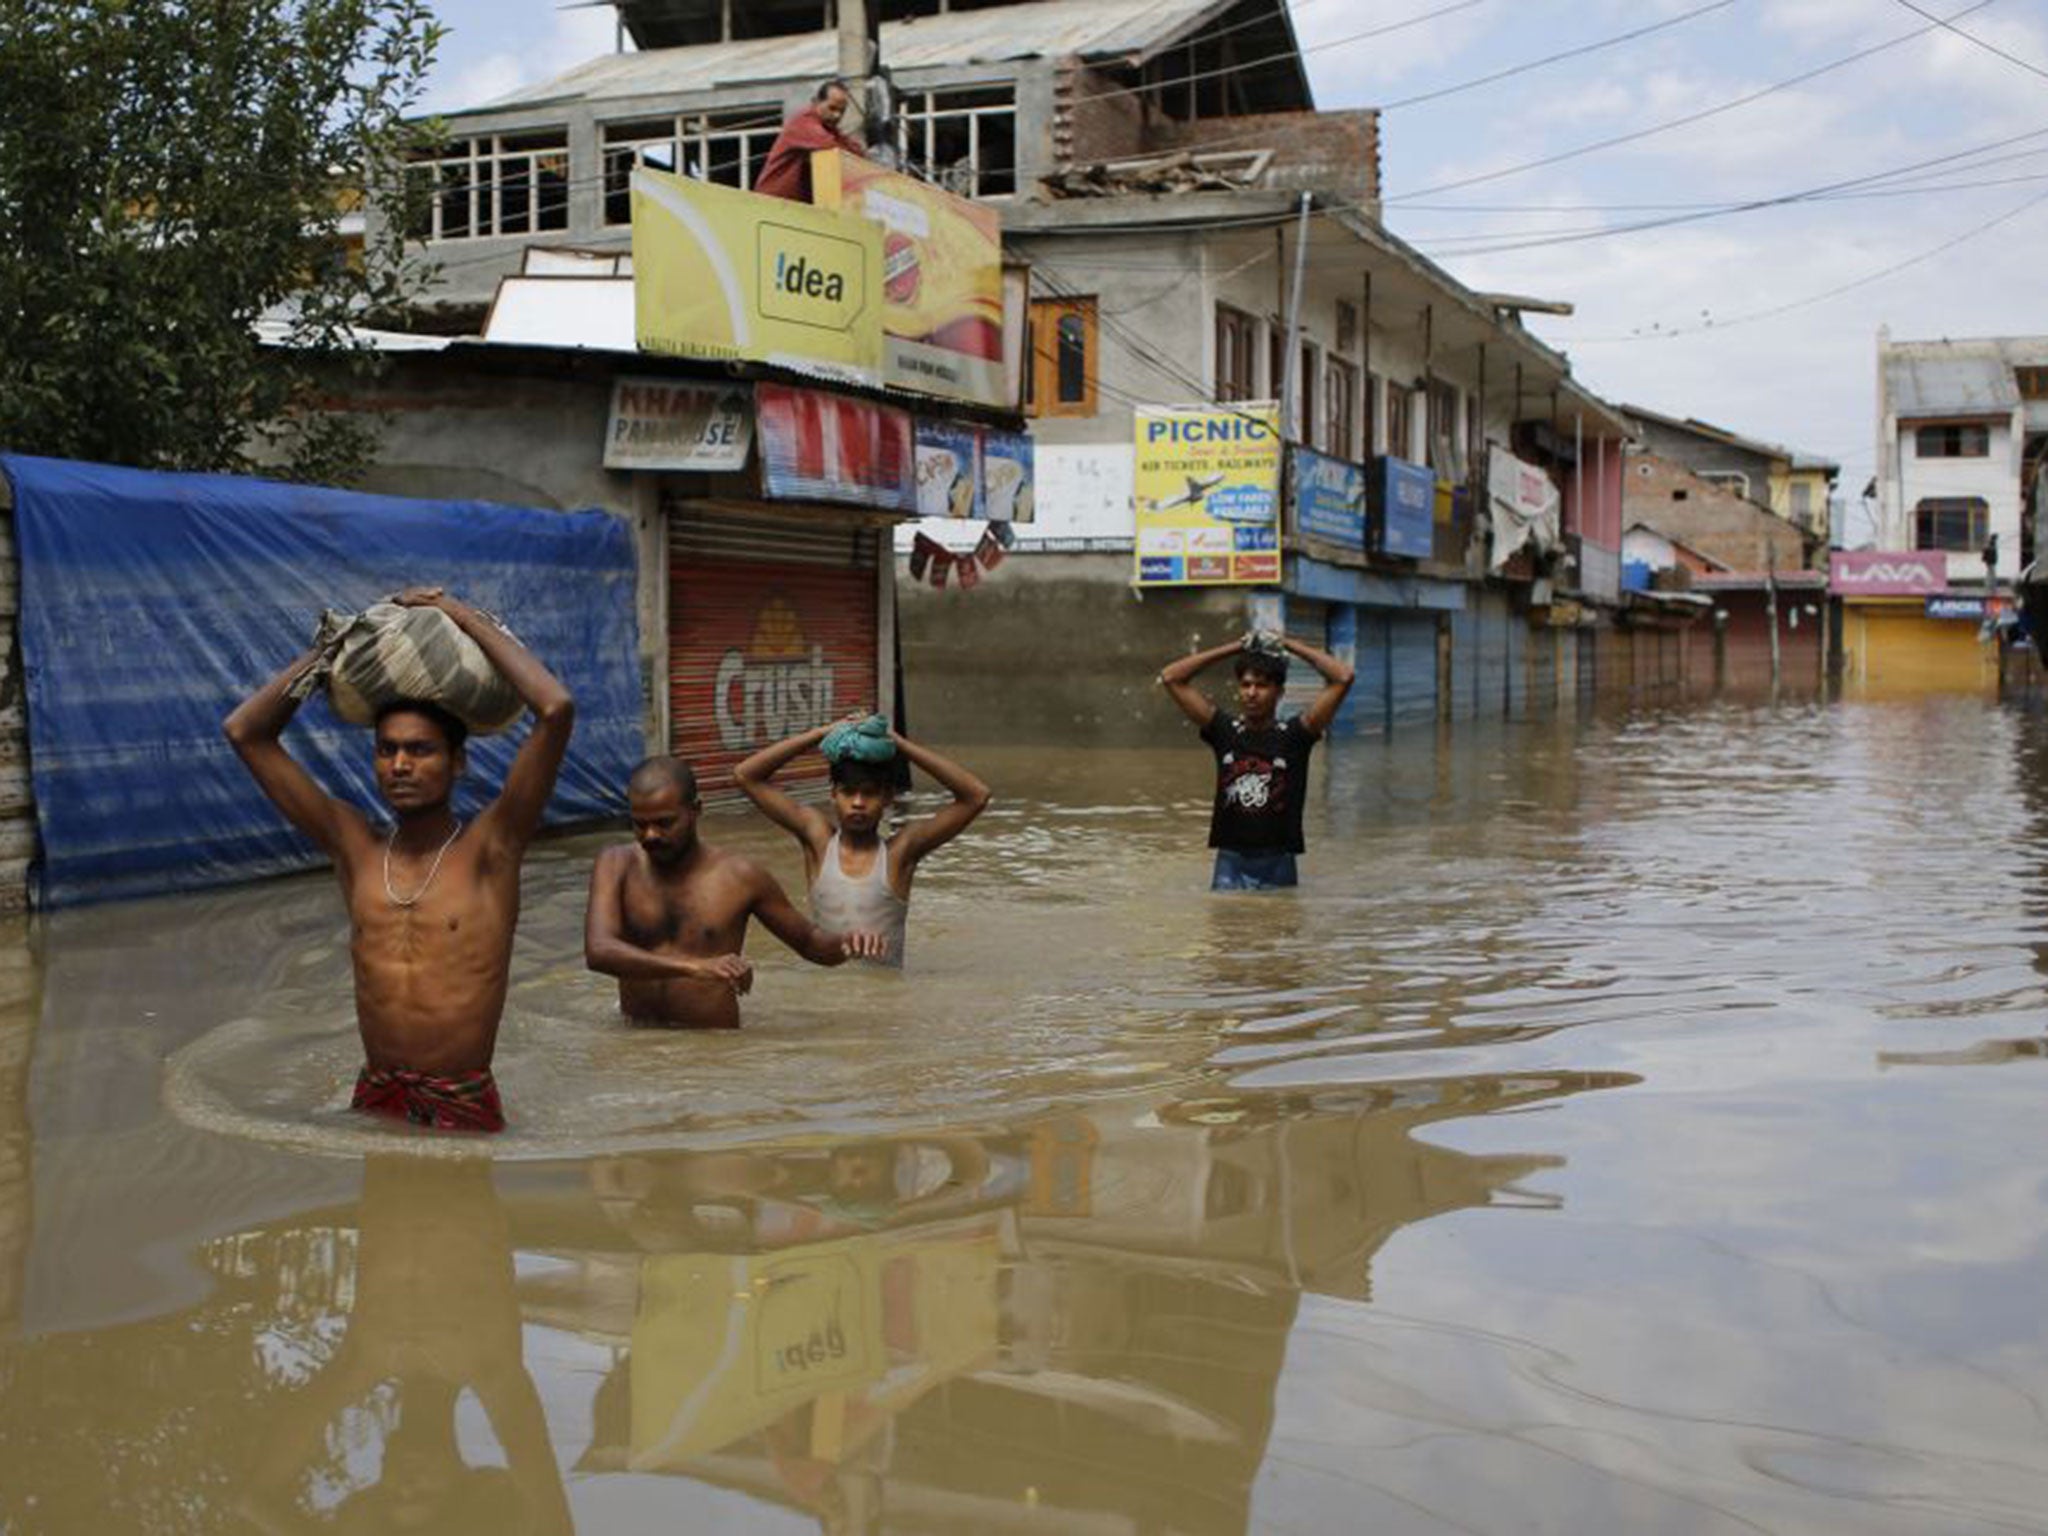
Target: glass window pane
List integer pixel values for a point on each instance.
(1073, 359)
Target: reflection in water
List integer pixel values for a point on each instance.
(1133, 1208)
(433, 1315)
(19, 980)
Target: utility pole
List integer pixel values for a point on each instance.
(1290, 413)
(860, 57)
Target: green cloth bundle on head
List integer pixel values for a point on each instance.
(861, 741)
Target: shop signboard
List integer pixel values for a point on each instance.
(817, 446)
(675, 424)
(1008, 467)
(949, 482)
(1403, 508)
(1329, 499)
(1887, 573)
(1973, 609)
(719, 273)
(942, 277)
(1207, 492)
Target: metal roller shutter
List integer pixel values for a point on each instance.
(772, 630)
(1308, 620)
(1411, 668)
(1481, 658)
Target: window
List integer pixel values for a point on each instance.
(2033, 383)
(1400, 437)
(500, 184)
(728, 147)
(1952, 442)
(1340, 408)
(1728, 480)
(1062, 338)
(1237, 343)
(1802, 501)
(1305, 386)
(1951, 522)
(1443, 427)
(964, 140)
(1347, 326)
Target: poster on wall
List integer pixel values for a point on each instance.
(724, 274)
(817, 446)
(948, 469)
(1403, 508)
(1207, 492)
(1009, 494)
(942, 276)
(1329, 499)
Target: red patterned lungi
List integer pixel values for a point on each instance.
(465, 1101)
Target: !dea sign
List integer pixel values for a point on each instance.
(725, 274)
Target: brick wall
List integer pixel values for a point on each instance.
(1680, 505)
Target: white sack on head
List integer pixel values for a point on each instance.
(391, 652)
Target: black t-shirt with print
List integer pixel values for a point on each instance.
(1260, 779)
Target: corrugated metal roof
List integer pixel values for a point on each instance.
(1050, 29)
(1953, 385)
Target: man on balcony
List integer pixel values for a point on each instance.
(787, 171)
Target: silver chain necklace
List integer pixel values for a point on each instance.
(414, 899)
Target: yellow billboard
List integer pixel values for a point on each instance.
(942, 277)
(1207, 489)
(725, 274)
(726, 1345)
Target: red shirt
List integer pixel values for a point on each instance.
(787, 171)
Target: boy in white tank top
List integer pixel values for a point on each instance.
(859, 879)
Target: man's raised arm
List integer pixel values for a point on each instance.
(254, 729)
(1178, 679)
(531, 778)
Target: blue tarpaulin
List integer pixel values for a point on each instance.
(151, 604)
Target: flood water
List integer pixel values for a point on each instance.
(1634, 1124)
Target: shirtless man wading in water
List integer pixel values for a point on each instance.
(668, 912)
(432, 903)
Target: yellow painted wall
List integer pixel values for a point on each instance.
(1896, 648)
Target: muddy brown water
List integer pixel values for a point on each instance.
(1635, 1124)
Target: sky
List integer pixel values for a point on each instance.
(1931, 213)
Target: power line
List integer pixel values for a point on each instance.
(1682, 121)
(1817, 298)
(1971, 37)
(1570, 53)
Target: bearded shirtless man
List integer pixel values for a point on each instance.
(432, 903)
(668, 912)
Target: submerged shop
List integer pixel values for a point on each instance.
(1903, 629)
(780, 603)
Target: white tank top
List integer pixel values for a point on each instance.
(866, 905)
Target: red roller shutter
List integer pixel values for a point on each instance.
(772, 630)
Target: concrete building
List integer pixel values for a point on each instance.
(1962, 440)
(1153, 161)
(1799, 487)
(1764, 612)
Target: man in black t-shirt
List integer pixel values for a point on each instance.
(1261, 760)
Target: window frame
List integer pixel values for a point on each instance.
(919, 114)
(1043, 396)
(1976, 532)
(480, 162)
(1955, 440)
(1231, 322)
(689, 137)
(1340, 408)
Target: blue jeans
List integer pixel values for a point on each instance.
(1256, 870)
